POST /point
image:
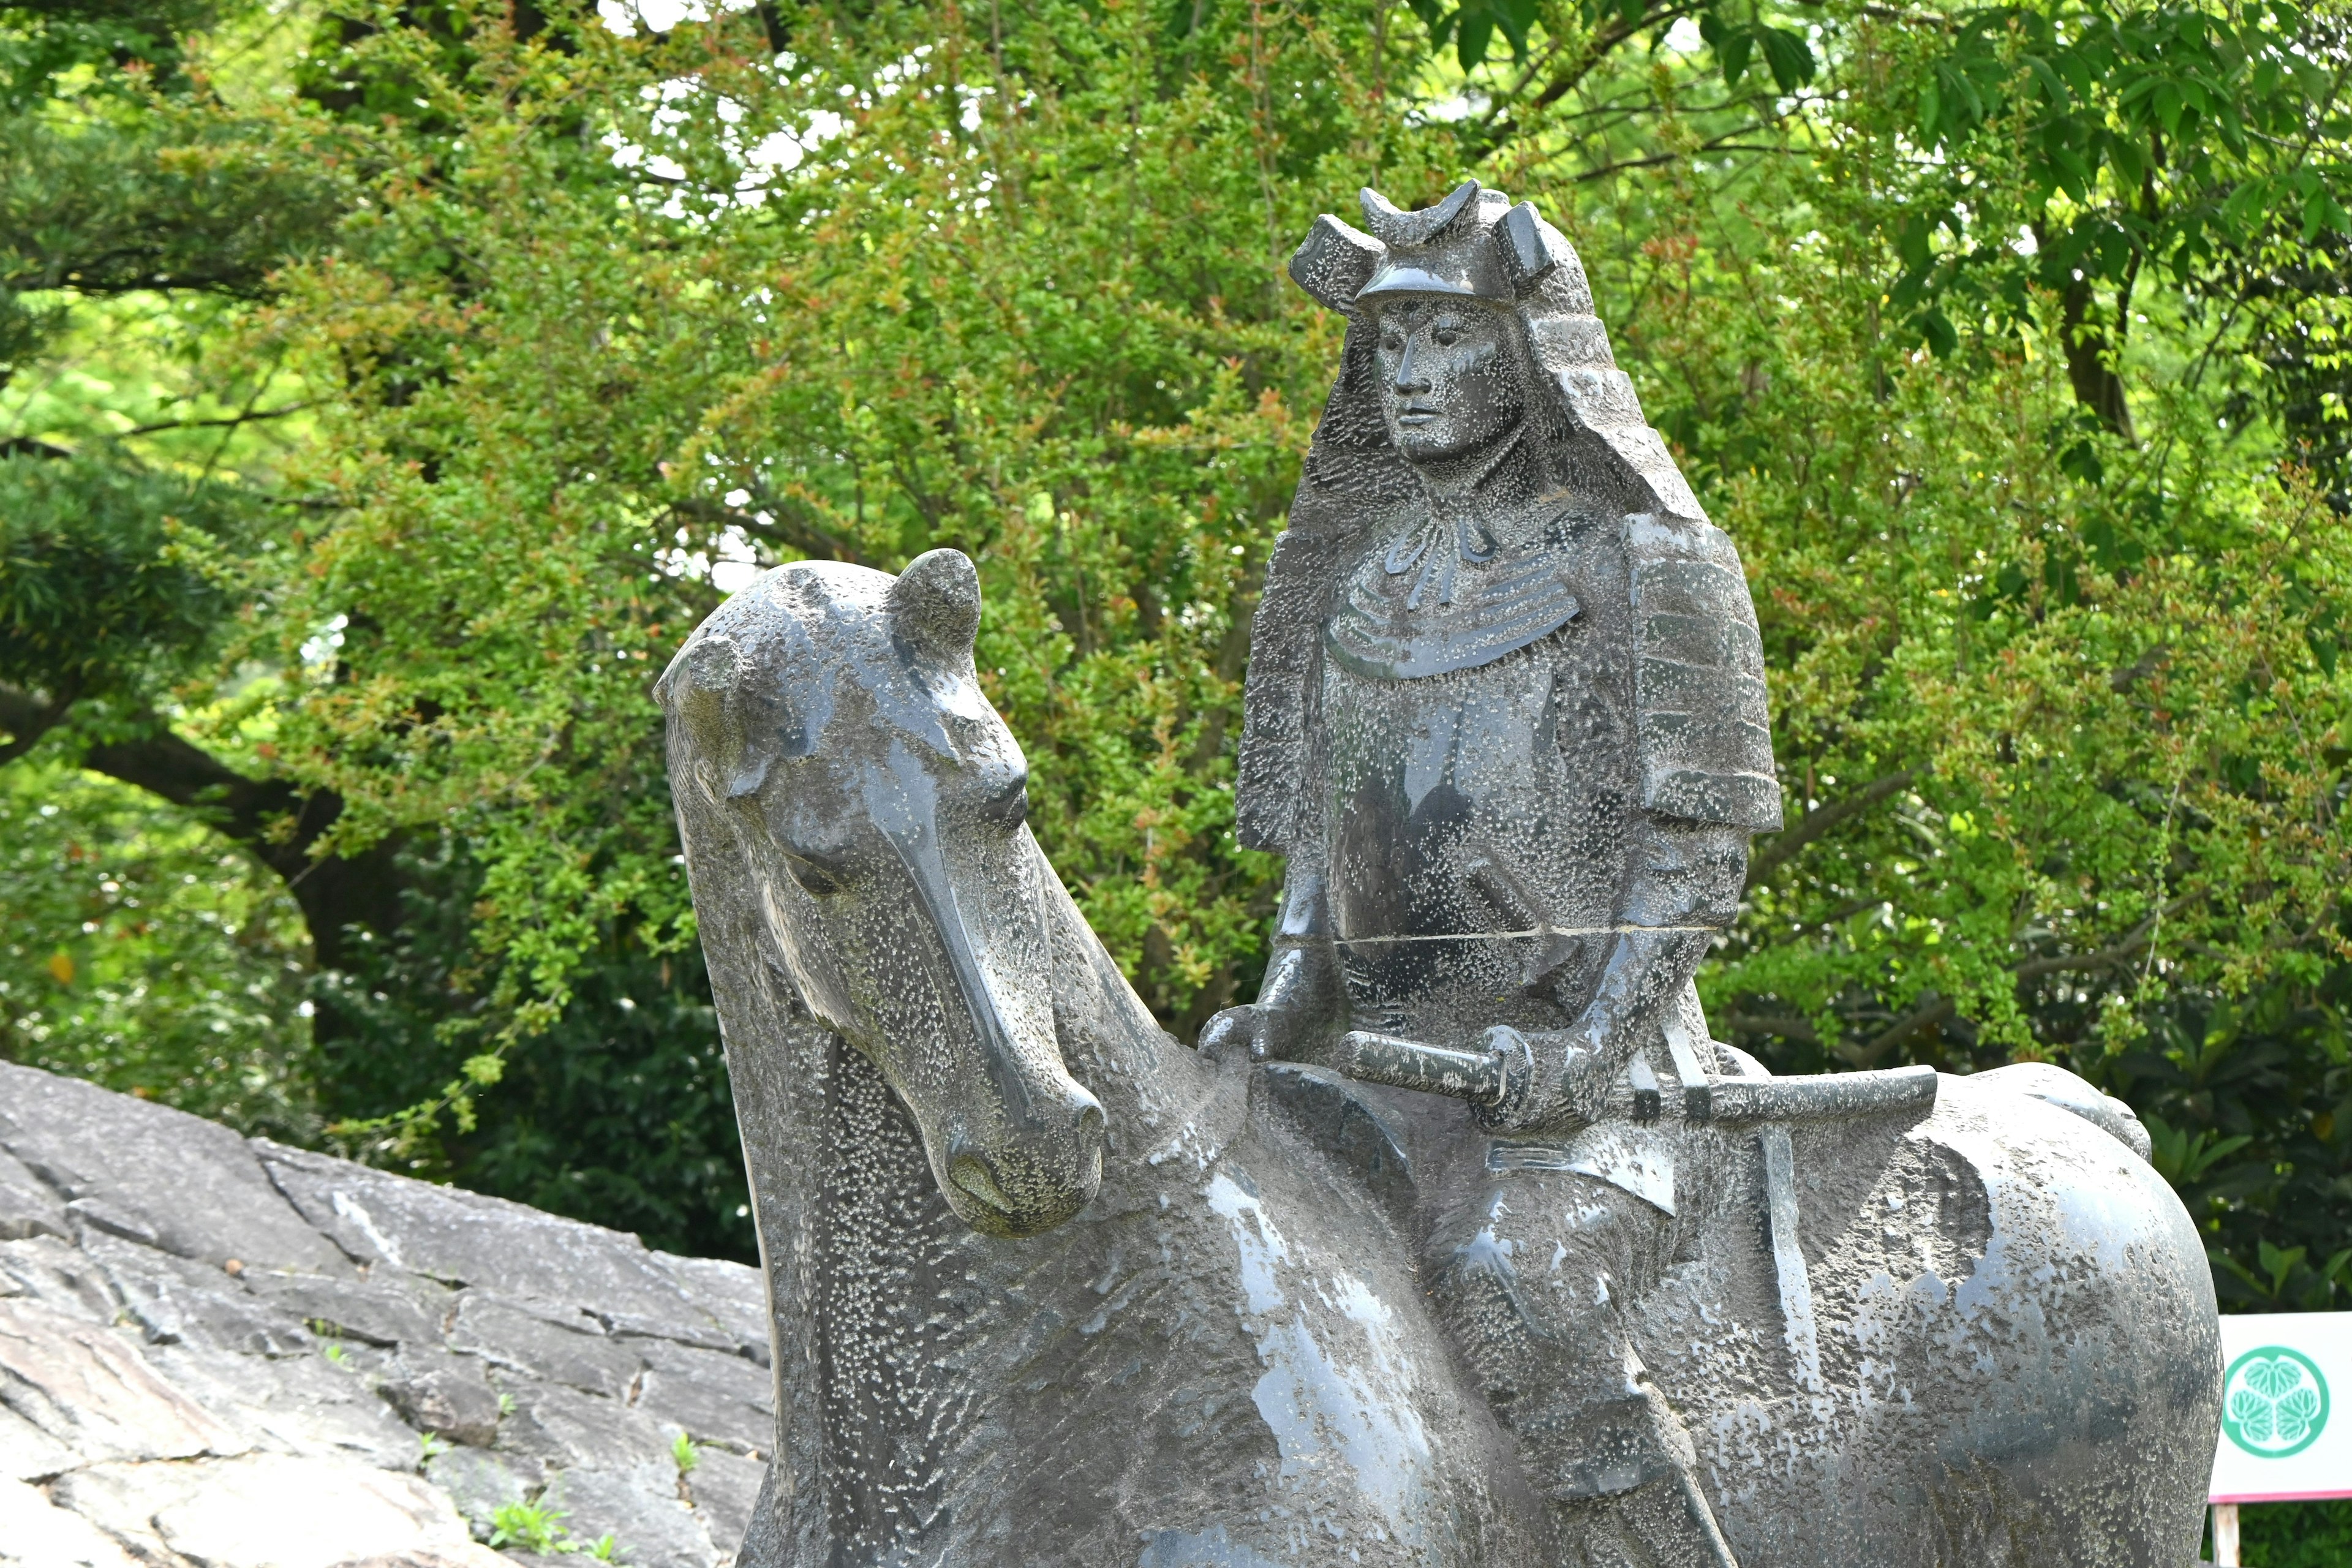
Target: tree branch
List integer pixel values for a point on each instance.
(273, 820)
(1935, 1011)
(230, 422)
(26, 717)
(1822, 819)
(1788, 1026)
(2122, 951)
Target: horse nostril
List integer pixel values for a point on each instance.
(1090, 1124)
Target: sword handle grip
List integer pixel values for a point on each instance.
(1483, 1078)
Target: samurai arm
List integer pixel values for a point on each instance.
(1684, 891)
(1301, 1006)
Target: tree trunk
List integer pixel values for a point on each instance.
(270, 819)
(2089, 361)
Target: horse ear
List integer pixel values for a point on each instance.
(935, 608)
(704, 689)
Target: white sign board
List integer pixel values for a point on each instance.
(2284, 1437)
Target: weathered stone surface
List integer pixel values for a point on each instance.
(272, 1510)
(89, 1389)
(57, 1275)
(640, 1505)
(392, 1309)
(27, 1453)
(300, 1404)
(178, 1301)
(142, 1170)
(465, 1239)
(579, 1356)
(565, 1428)
(177, 1394)
(722, 1400)
(35, 1533)
(446, 1395)
(478, 1484)
(724, 1486)
(27, 1205)
(732, 1295)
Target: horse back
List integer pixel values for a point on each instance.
(1998, 1347)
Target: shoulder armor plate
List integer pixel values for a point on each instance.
(1698, 688)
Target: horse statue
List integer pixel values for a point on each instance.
(1049, 1287)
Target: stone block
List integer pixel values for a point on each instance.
(89, 1389)
(579, 1355)
(387, 1307)
(723, 1488)
(274, 1511)
(732, 1295)
(446, 1395)
(178, 1301)
(717, 1399)
(56, 1274)
(563, 1427)
(28, 1206)
(144, 1171)
(27, 1453)
(35, 1533)
(301, 1405)
(480, 1483)
(651, 1525)
(465, 1238)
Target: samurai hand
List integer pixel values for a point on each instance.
(1555, 1080)
(1296, 1016)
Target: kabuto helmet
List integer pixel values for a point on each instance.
(1595, 446)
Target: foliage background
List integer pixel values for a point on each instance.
(386, 391)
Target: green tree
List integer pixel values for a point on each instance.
(599, 320)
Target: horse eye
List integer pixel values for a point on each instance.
(811, 876)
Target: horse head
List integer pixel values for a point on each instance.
(833, 714)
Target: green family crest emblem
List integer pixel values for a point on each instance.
(2273, 1402)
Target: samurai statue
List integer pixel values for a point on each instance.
(1506, 720)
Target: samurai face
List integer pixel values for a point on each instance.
(1449, 385)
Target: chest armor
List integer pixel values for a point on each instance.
(1480, 773)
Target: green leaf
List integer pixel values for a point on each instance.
(2053, 86)
(1931, 114)
(1787, 55)
(1472, 32)
(1941, 336)
(2124, 155)
(1912, 241)
(1732, 54)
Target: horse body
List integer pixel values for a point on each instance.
(1050, 1288)
(1222, 1361)
(2017, 1355)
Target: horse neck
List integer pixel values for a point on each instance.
(1158, 1097)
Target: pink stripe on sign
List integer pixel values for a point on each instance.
(2282, 1497)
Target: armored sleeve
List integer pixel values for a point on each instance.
(1700, 723)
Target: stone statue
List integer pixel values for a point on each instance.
(1048, 1286)
(1505, 719)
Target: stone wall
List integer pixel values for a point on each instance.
(221, 1353)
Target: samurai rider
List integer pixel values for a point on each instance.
(1506, 720)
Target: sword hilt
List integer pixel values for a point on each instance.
(1493, 1077)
